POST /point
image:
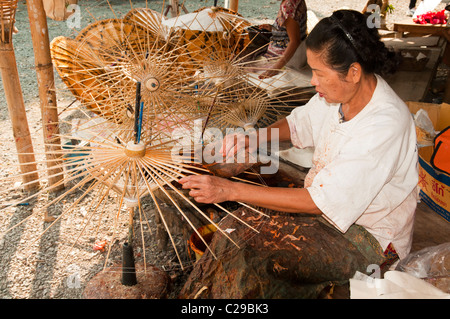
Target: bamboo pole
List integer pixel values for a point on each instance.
(174, 8)
(234, 4)
(47, 94)
(14, 98)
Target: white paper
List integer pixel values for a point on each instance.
(395, 285)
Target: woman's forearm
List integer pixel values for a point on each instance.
(294, 41)
(278, 130)
(212, 189)
(287, 55)
(291, 200)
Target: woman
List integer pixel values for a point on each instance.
(288, 31)
(364, 172)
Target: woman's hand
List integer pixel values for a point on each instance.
(208, 189)
(237, 142)
(268, 74)
(265, 26)
(212, 189)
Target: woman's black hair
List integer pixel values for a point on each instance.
(345, 37)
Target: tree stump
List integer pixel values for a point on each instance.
(152, 283)
(292, 256)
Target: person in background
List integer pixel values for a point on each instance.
(411, 8)
(288, 31)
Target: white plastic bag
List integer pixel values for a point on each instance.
(422, 120)
(424, 128)
(428, 262)
(431, 264)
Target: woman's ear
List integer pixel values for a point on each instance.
(354, 73)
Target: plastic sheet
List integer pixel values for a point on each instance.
(424, 128)
(431, 264)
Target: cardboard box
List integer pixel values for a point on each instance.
(434, 185)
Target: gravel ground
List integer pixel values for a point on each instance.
(45, 266)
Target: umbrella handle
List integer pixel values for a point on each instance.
(139, 129)
(136, 110)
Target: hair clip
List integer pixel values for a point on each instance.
(339, 24)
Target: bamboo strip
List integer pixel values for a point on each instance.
(163, 219)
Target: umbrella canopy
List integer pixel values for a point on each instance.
(208, 34)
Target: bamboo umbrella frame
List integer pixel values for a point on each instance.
(208, 37)
(131, 170)
(247, 106)
(101, 72)
(115, 162)
(14, 97)
(107, 72)
(221, 68)
(47, 93)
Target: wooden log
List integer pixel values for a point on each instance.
(293, 256)
(47, 93)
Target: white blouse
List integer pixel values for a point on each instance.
(365, 170)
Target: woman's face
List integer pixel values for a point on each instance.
(329, 83)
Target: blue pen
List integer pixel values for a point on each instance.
(140, 122)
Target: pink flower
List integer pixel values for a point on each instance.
(431, 17)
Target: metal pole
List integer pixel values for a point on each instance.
(128, 267)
